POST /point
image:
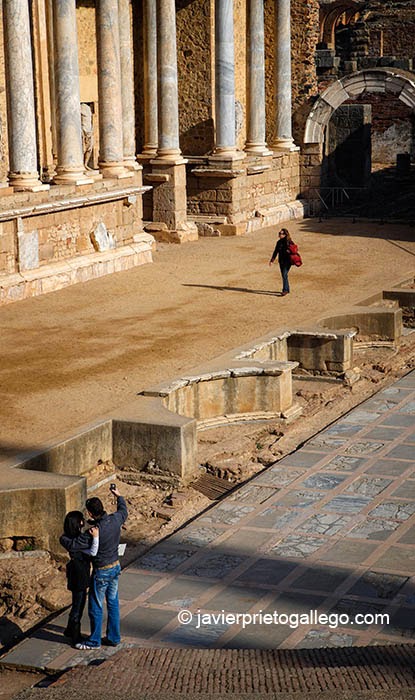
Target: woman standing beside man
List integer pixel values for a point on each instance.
(282, 252)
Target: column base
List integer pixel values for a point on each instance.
(226, 154)
(257, 149)
(95, 175)
(75, 175)
(179, 160)
(284, 145)
(62, 180)
(114, 170)
(131, 164)
(27, 182)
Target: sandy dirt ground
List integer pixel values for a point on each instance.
(71, 356)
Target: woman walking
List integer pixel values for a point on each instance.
(282, 252)
(77, 569)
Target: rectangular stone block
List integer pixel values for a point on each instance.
(28, 250)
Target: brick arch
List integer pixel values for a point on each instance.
(330, 16)
(391, 81)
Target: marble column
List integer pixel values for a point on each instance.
(70, 168)
(224, 80)
(150, 79)
(127, 85)
(168, 112)
(23, 173)
(111, 156)
(283, 137)
(256, 143)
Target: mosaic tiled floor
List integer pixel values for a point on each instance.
(329, 529)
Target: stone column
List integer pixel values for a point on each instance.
(111, 156)
(127, 85)
(70, 167)
(169, 167)
(150, 79)
(224, 80)
(283, 137)
(168, 112)
(256, 143)
(23, 173)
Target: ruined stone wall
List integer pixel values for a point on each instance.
(269, 21)
(305, 36)
(238, 199)
(194, 46)
(240, 39)
(392, 128)
(396, 21)
(87, 54)
(65, 235)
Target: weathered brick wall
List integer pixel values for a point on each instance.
(396, 21)
(392, 128)
(195, 75)
(277, 186)
(239, 198)
(87, 54)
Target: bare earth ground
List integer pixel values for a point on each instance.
(70, 356)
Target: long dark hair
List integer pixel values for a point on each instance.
(286, 233)
(73, 523)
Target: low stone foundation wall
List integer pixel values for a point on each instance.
(313, 349)
(233, 197)
(70, 234)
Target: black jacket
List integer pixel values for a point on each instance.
(281, 249)
(109, 536)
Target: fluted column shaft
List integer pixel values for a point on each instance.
(224, 78)
(20, 96)
(70, 167)
(283, 137)
(111, 154)
(127, 85)
(150, 78)
(168, 112)
(256, 79)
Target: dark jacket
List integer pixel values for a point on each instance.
(109, 536)
(281, 249)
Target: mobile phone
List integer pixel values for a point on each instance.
(113, 487)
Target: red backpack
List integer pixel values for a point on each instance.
(295, 256)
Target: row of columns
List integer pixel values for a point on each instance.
(116, 88)
(115, 93)
(161, 92)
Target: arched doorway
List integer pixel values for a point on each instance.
(342, 100)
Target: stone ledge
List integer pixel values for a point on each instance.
(58, 275)
(275, 215)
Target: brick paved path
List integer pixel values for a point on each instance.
(329, 528)
(189, 673)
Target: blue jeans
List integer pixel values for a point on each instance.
(104, 584)
(284, 274)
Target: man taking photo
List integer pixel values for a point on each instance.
(106, 571)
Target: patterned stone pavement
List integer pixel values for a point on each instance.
(328, 530)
